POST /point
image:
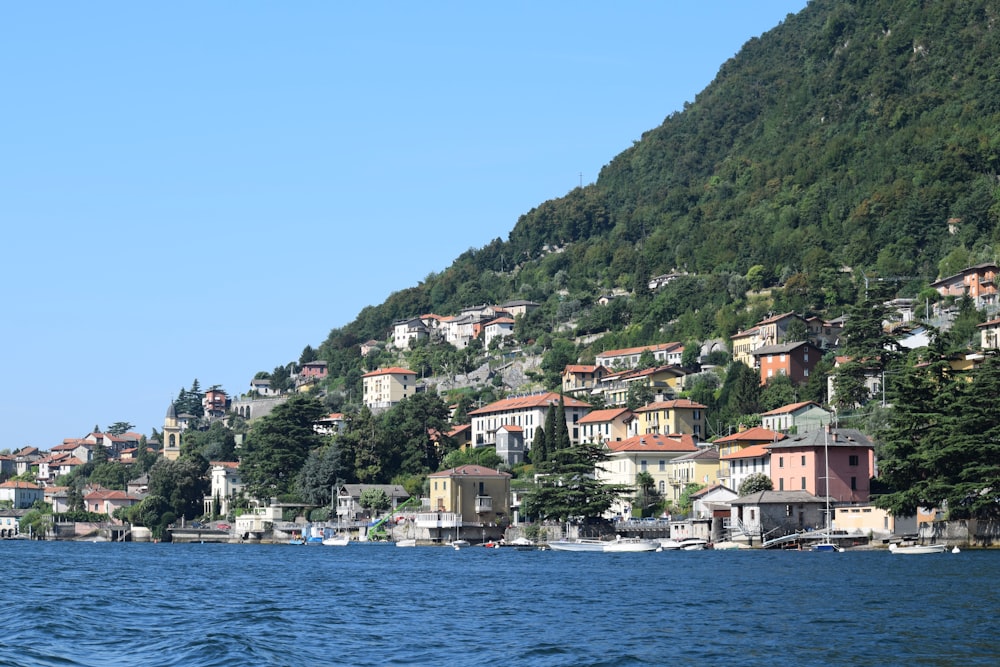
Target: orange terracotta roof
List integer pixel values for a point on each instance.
(675, 404)
(600, 416)
(654, 442)
(751, 452)
(755, 434)
(19, 485)
(542, 400)
(579, 368)
(639, 350)
(226, 464)
(792, 407)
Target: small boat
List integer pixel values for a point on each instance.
(337, 541)
(825, 546)
(580, 544)
(408, 542)
(694, 544)
(491, 545)
(669, 544)
(631, 544)
(460, 544)
(524, 544)
(917, 549)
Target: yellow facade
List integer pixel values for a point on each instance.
(475, 493)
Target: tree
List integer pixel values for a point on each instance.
(684, 502)
(374, 499)
(320, 473)
(755, 483)
(646, 497)
(182, 483)
(569, 489)
(539, 446)
(119, 428)
(778, 392)
(279, 445)
(562, 439)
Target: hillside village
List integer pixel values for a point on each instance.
(634, 403)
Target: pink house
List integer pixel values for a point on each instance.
(106, 501)
(799, 462)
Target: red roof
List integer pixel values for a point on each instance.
(542, 400)
(755, 434)
(791, 407)
(751, 452)
(654, 442)
(512, 428)
(580, 368)
(599, 416)
(19, 485)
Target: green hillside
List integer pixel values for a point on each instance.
(836, 146)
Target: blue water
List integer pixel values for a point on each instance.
(197, 605)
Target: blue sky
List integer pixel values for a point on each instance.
(200, 190)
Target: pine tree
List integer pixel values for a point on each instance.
(539, 446)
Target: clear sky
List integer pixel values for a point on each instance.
(201, 189)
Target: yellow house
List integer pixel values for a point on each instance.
(641, 453)
(700, 467)
(668, 417)
(606, 425)
(665, 380)
(478, 495)
(385, 387)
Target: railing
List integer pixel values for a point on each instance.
(484, 504)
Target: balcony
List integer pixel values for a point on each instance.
(438, 520)
(484, 504)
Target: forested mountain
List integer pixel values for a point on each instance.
(834, 147)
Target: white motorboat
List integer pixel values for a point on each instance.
(409, 542)
(917, 549)
(694, 544)
(631, 544)
(337, 540)
(460, 544)
(580, 544)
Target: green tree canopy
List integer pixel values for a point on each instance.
(279, 445)
(755, 483)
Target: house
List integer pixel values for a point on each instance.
(527, 411)
(478, 495)
(769, 331)
(662, 381)
(58, 498)
(743, 453)
(873, 379)
(461, 435)
(699, 467)
(580, 379)
(349, 499)
(260, 387)
(775, 513)
(329, 425)
(106, 501)
(838, 463)
(510, 444)
(606, 425)
(10, 522)
(227, 484)
(795, 360)
(498, 328)
(825, 334)
(674, 416)
(664, 353)
(519, 307)
(215, 403)
(21, 495)
(313, 370)
(370, 346)
(76, 447)
(978, 282)
(796, 417)
(405, 332)
(712, 502)
(641, 453)
(385, 387)
(25, 458)
(989, 333)
(738, 464)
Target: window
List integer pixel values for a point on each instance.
(781, 461)
(852, 460)
(663, 465)
(803, 460)
(782, 358)
(663, 486)
(854, 484)
(803, 483)
(781, 484)
(770, 358)
(805, 372)
(642, 466)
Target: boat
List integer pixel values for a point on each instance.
(460, 544)
(341, 540)
(491, 545)
(408, 542)
(524, 544)
(827, 544)
(694, 544)
(632, 544)
(579, 544)
(669, 544)
(917, 549)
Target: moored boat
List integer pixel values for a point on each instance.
(631, 544)
(409, 542)
(337, 540)
(579, 544)
(917, 549)
(460, 544)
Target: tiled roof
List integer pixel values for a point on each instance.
(755, 434)
(785, 409)
(470, 470)
(675, 404)
(600, 416)
(395, 370)
(654, 442)
(839, 437)
(529, 401)
(751, 452)
(639, 350)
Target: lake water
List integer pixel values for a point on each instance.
(107, 604)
